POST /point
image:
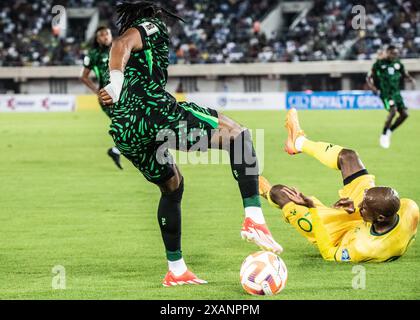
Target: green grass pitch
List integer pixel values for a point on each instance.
(62, 202)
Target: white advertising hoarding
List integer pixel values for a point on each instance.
(239, 101)
(37, 103)
(411, 99)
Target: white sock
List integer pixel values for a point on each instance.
(388, 132)
(115, 150)
(299, 143)
(256, 214)
(177, 267)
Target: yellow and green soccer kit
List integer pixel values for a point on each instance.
(341, 236)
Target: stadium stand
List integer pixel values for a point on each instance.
(223, 32)
(322, 35)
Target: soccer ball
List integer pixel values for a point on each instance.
(263, 273)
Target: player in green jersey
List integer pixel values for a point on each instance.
(385, 78)
(97, 61)
(147, 121)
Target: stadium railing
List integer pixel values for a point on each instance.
(198, 70)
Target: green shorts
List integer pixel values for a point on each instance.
(145, 136)
(393, 100)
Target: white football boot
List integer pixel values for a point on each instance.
(385, 141)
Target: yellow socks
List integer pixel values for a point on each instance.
(326, 153)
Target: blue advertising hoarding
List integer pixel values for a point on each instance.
(333, 100)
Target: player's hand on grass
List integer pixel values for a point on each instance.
(346, 204)
(105, 97)
(298, 197)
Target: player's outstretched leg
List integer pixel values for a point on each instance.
(115, 155)
(237, 140)
(169, 216)
(332, 156)
(297, 142)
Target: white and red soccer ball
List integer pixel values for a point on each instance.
(263, 273)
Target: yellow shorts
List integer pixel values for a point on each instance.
(337, 221)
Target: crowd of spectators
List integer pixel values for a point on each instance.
(223, 31)
(333, 31)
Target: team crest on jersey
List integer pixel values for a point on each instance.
(150, 28)
(86, 61)
(397, 66)
(345, 256)
(391, 70)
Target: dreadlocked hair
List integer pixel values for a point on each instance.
(129, 12)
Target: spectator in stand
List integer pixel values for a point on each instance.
(224, 31)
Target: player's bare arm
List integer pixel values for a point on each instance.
(282, 195)
(298, 197)
(410, 78)
(370, 83)
(85, 78)
(279, 196)
(119, 55)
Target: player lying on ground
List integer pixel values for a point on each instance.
(368, 223)
(97, 60)
(385, 79)
(143, 110)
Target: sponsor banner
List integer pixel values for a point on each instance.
(339, 100)
(220, 101)
(411, 99)
(239, 101)
(37, 103)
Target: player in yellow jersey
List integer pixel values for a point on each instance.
(368, 223)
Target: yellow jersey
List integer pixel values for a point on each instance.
(362, 244)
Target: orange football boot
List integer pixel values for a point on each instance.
(187, 277)
(260, 235)
(294, 131)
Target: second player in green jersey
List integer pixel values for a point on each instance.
(97, 61)
(385, 79)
